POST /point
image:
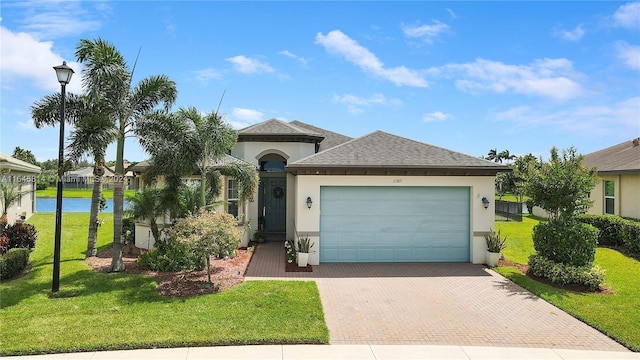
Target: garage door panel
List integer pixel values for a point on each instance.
(394, 224)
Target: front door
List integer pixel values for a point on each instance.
(274, 203)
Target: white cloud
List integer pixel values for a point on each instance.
(53, 19)
(302, 60)
(357, 104)
(629, 54)
(451, 13)
(436, 116)
(247, 65)
(241, 118)
(628, 16)
(207, 75)
(551, 78)
(24, 57)
(338, 43)
(572, 35)
(426, 33)
(601, 120)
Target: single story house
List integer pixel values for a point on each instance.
(618, 188)
(376, 198)
(83, 178)
(15, 171)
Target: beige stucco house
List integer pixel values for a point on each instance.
(376, 198)
(14, 171)
(618, 189)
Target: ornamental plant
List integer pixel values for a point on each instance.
(290, 247)
(495, 243)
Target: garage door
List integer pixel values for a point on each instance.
(394, 224)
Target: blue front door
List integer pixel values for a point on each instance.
(274, 203)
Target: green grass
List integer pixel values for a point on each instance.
(617, 315)
(51, 192)
(509, 197)
(97, 311)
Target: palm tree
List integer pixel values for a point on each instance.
(9, 194)
(107, 78)
(92, 134)
(493, 155)
(186, 142)
(505, 155)
(145, 205)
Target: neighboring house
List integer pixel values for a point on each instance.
(83, 178)
(130, 180)
(618, 188)
(376, 198)
(14, 171)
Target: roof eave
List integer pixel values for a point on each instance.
(299, 169)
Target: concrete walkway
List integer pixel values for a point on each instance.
(432, 304)
(354, 352)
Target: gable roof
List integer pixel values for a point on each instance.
(331, 138)
(278, 130)
(11, 163)
(383, 153)
(620, 158)
(224, 160)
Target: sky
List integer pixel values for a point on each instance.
(467, 76)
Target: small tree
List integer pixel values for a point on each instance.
(10, 193)
(146, 205)
(561, 186)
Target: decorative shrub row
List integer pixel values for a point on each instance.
(615, 231)
(568, 242)
(174, 256)
(564, 274)
(17, 236)
(13, 262)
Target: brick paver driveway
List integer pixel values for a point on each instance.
(428, 303)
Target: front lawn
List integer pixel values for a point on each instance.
(97, 311)
(617, 315)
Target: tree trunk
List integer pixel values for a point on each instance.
(118, 207)
(96, 196)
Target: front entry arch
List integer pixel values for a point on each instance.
(272, 198)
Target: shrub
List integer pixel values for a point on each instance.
(13, 262)
(568, 242)
(610, 228)
(564, 274)
(175, 256)
(128, 231)
(631, 236)
(21, 236)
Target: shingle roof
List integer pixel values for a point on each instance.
(226, 159)
(276, 127)
(622, 158)
(381, 150)
(331, 138)
(11, 163)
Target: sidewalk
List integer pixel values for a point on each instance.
(356, 352)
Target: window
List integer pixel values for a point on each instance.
(232, 197)
(272, 166)
(609, 197)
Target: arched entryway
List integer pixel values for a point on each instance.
(272, 195)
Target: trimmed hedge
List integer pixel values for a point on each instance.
(13, 262)
(564, 274)
(567, 242)
(615, 231)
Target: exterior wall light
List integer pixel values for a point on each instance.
(309, 202)
(485, 202)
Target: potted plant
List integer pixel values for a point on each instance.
(260, 236)
(495, 244)
(304, 248)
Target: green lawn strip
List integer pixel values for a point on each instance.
(617, 315)
(510, 197)
(51, 192)
(97, 311)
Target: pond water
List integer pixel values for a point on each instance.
(69, 205)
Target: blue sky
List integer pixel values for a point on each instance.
(468, 76)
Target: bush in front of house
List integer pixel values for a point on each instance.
(18, 235)
(631, 236)
(13, 262)
(175, 255)
(610, 228)
(569, 242)
(565, 274)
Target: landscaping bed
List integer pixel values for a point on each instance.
(225, 273)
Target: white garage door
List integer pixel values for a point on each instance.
(394, 224)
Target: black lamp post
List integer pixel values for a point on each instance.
(63, 72)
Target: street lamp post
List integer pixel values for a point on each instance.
(63, 72)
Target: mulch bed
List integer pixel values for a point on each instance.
(224, 273)
(570, 287)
